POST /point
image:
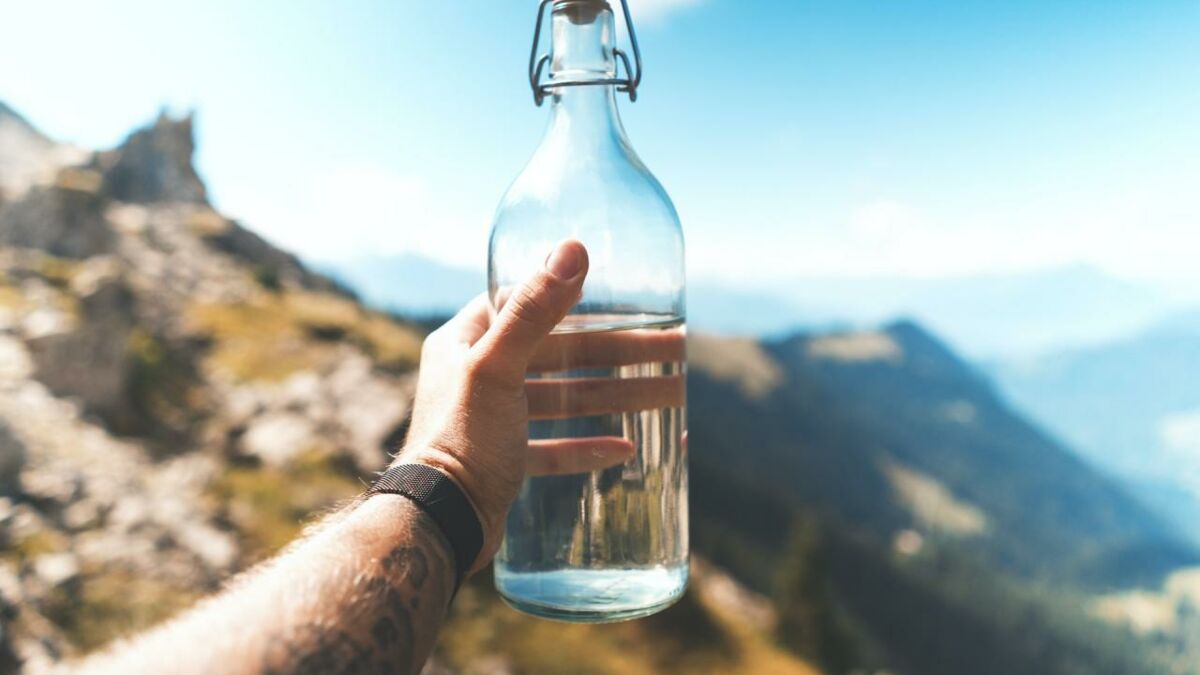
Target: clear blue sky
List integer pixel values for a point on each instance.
(797, 138)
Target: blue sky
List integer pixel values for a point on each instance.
(797, 138)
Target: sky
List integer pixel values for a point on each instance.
(797, 139)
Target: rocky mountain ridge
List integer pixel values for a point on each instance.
(178, 397)
(131, 380)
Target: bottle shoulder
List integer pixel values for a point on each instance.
(618, 210)
(561, 182)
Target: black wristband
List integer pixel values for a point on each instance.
(444, 502)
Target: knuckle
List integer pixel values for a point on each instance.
(486, 368)
(528, 307)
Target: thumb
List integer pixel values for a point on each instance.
(533, 310)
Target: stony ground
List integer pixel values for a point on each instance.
(164, 375)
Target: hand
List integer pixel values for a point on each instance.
(470, 418)
(473, 402)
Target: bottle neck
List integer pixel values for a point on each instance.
(584, 34)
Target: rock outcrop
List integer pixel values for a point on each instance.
(63, 221)
(155, 165)
(12, 460)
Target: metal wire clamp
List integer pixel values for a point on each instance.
(537, 64)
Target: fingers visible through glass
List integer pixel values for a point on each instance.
(584, 397)
(567, 351)
(564, 456)
(581, 375)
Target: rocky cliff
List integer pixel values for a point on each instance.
(163, 373)
(178, 397)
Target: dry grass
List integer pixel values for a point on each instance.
(256, 342)
(207, 223)
(284, 333)
(112, 603)
(58, 271)
(33, 545)
(1152, 611)
(269, 507)
(856, 348)
(738, 360)
(12, 298)
(933, 504)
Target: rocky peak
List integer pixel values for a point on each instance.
(162, 369)
(154, 164)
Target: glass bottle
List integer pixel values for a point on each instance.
(611, 544)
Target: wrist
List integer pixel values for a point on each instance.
(491, 517)
(384, 518)
(444, 502)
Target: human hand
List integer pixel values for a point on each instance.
(471, 412)
(473, 403)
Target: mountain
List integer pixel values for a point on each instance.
(1132, 406)
(409, 283)
(177, 395)
(879, 428)
(995, 314)
(895, 469)
(164, 374)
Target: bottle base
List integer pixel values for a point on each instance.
(592, 596)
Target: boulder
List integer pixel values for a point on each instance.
(56, 569)
(278, 438)
(93, 362)
(61, 221)
(12, 460)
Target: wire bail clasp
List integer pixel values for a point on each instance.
(538, 63)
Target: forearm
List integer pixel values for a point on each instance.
(365, 594)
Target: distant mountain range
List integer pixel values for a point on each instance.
(869, 424)
(987, 316)
(408, 283)
(1132, 406)
(911, 466)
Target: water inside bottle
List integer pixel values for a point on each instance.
(611, 544)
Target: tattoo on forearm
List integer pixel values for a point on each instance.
(409, 563)
(314, 650)
(374, 631)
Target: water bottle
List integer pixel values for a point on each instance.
(610, 544)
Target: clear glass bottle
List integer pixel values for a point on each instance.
(611, 544)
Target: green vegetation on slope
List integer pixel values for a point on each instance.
(793, 494)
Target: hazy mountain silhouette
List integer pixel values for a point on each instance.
(887, 472)
(860, 422)
(1132, 406)
(409, 283)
